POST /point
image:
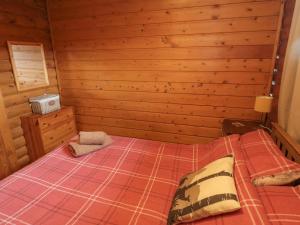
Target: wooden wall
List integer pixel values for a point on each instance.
(164, 70)
(22, 20)
(8, 158)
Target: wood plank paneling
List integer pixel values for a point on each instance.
(168, 76)
(175, 28)
(166, 87)
(70, 9)
(8, 157)
(22, 21)
(252, 65)
(233, 52)
(265, 8)
(163, 70)
(163, 108)
(215, 39)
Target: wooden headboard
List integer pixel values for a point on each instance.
(289, 147)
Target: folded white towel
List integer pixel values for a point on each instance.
(92, 138)
(79, 150)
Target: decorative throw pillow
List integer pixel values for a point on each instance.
(206, 192)
(288, 179)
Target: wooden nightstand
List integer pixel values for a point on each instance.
(239, 126)
(43, 133)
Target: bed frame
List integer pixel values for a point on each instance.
(289, 147)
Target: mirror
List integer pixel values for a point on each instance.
(29, 65)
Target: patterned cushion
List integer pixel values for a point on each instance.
(289, 178)
(263, 157)
(206, 192)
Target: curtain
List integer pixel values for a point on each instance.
(289, 100)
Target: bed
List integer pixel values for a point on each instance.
(133, 182)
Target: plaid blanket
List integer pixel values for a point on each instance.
(262, 155)
(282, 204)
(130, 182)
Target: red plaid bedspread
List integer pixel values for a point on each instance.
(130, 182)
(262, 155)
(282, 204)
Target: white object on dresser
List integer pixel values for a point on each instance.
(45, 103)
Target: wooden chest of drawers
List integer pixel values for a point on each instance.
(43, 133)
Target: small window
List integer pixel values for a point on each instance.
(29, 65)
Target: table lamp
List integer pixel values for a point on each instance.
(263, 104)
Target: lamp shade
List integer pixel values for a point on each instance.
(263, 104)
